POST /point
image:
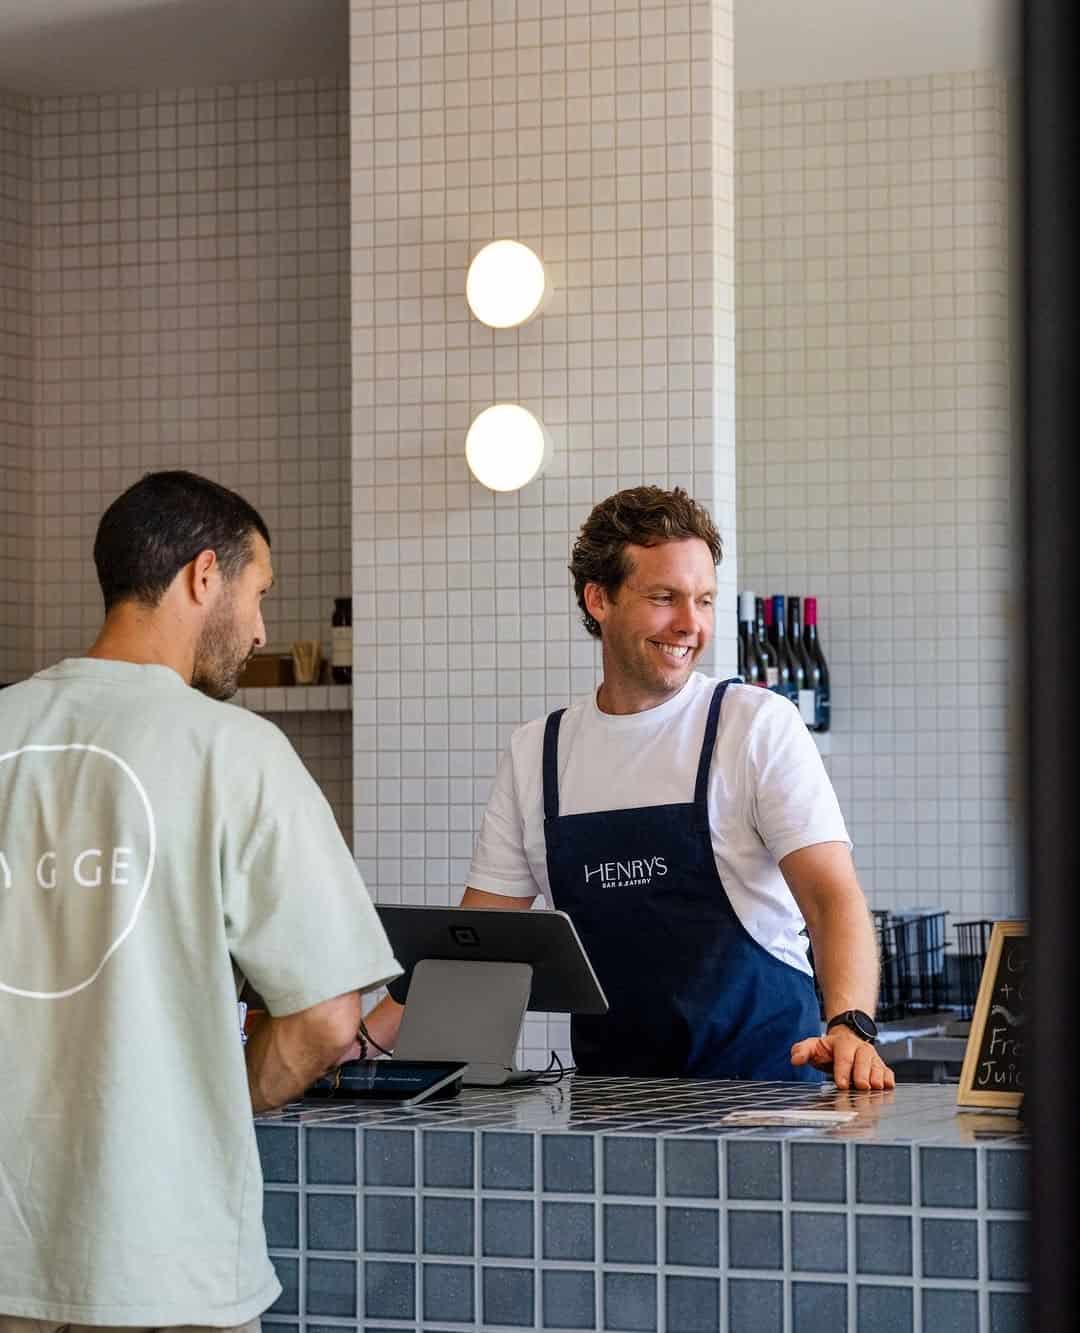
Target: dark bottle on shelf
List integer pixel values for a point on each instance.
(768, 652)
(341, 641)
(753, 671)
(819, 669)
(798, 657)
(740, 646)
(784, 664)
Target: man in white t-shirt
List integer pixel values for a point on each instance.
(690, 831)
(155, 842)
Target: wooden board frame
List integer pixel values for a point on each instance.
(967, 1094)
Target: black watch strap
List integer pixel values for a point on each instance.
(860, 1023)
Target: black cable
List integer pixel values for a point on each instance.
(368, 1040)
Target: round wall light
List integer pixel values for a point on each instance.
(506, 284)
(506, 447)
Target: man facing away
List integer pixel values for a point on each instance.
(688, 828)
(152, 840)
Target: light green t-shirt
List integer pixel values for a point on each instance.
(149, 839)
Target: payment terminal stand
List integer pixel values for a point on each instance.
(473, 973)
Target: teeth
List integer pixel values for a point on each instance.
(672, 650)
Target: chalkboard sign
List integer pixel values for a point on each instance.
(995, 1057)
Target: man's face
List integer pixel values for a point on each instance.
(234, 627)
(660, 620)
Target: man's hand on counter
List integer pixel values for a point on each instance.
(852, 1061)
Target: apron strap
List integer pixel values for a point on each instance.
(712, 723)
(551, 764)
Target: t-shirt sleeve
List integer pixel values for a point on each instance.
(500, 863)
(793, 804)
(298, 917)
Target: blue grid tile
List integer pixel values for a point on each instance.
(389, 1290)
(279, 1152)
(509, 1297)
(330, 1287)
(569, 1230)
(692, 1237)
(288, 1274)
(693, 1304)
(754, 1170)
(950, 1308)
(629, 1165)
(1007, 1248)
(950, 1248)
(331, 1222)
(882, 1174)
(507, 1228)
(629, 1233)
(886, 1309)
(448, 1225)
(818, 1173)
(819, 1242)
(330, 1156)
(567, 1163)
(883, 1245)
(755, 1239)
(691, 1169)
(818, 1307)
(568, 1298)
(389, 1224)
(281, 1218)
(448, 1159)
(755, 1306)
(507, 1161)
(1009, 1312)
(448, 1293)
(1008, 1180)
(630, 1302)
(948, 1178)
(389, 1157)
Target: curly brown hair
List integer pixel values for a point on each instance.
(640, 516)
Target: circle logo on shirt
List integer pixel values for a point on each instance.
(77, 848)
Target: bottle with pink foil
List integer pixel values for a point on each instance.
(818, 668)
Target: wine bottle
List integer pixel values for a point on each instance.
(768, 652)
(798, 657)
(740, 646)
(753, 663)
(341, 641)
(785, 666)
(819, 670)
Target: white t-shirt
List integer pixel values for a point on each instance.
(769, 795)
(150, 839)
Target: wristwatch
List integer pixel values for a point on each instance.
(861, 1024)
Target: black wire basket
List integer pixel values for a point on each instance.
(972, 941)
(913, 949)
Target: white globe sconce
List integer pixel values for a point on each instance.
(506, 447)
(506, 284)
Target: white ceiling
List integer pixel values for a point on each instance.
(50, 47)
(54, 47)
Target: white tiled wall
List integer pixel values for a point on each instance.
(16, 389)
(600, 134)
(874, 441)
(191, 310)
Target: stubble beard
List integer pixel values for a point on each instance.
(220, 656)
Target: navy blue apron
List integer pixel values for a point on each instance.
(692, 993)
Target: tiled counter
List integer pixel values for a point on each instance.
(632, 1205)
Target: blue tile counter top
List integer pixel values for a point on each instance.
(634, 1205)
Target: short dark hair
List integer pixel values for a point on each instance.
(148, 534)
(640, 516)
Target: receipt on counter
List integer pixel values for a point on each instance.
(793, 1117)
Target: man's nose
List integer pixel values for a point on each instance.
(260, 632)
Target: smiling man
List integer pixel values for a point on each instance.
(689, 829)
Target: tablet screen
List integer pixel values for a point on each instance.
(389, 1080)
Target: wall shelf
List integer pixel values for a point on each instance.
(296, 699)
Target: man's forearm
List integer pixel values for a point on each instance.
(845, 954)
(285, 1056)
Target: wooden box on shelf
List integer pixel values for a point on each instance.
(267, 670)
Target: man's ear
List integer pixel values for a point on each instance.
(597, 601)
(203, 574)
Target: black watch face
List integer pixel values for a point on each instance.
(864, 1025)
